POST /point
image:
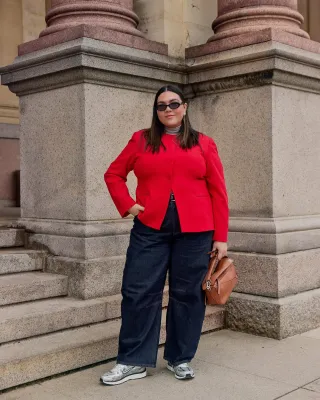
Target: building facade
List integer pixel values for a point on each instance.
(81, 84)
(179, 24)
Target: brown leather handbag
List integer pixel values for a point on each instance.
(220, 280)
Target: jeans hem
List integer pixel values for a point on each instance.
(136, 364)
(179, 362)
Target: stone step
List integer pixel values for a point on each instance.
(11, 237)
(27, 286)
(20, 321)
(17, 259)
(43, 356)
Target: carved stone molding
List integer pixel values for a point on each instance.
(237, 17)
(107, 14)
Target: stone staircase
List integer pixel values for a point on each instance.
(44, 332)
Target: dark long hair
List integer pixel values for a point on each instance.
(187, 136)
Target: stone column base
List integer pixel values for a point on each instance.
(89, 279)
(274, 318)
(91, 254)
(277, 276)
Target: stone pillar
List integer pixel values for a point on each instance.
(112, 21)
(260, 103)
(80, 101)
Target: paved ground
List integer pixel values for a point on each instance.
(229, 366)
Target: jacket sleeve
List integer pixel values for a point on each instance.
(116, 176)
(218, 192)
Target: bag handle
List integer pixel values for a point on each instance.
(212, 266)
(212, 273)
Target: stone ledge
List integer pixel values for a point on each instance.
(274, 225)
(79, 247)
(83, 229)
(274, 318)
(29, 286)
(277, 276)
(10, 237)
(278, 243)
(247, 39)
(122, 226)
(14, 260)
(94, 239)
(87, 60)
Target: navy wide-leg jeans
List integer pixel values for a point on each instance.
(151, 253)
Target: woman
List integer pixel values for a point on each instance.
(181, 208)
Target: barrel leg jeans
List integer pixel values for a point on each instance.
(151, 253)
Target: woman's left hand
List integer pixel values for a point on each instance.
(222, 248)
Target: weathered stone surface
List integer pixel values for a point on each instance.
(274, 235)
(18, 288)
(81, 247)
(46, 172)
(277, 275)
(274, 318)
(21, 260)
(90, 278)
(21, 321)
(11, 237)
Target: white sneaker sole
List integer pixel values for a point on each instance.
(188, 376)
(127, 378)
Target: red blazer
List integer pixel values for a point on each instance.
(195, 176)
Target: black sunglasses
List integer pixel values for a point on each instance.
(173, 106)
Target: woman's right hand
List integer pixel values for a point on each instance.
(135, 210)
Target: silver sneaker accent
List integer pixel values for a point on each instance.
(122, 373)
(181, 371)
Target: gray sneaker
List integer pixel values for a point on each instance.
(123, 373)
(181, 371)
